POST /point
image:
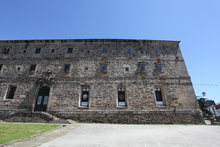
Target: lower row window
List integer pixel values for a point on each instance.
(85, 97)
(121, 97)
(11, 92)
(159, 98)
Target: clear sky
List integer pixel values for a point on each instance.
(196, 23)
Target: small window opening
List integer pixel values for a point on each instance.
(38, 50)
(142, 68)
(130, 51)
(104, 68)
(104, 50)
(126, 68)
(67, 68)
(159, 68)
(159, 98)
(70, 50)
(121, 97)
(53, 50)
(33, 68)
(86, 68)
(6, 50)
(157, 51)
(19, 68)
(11, 92)
(85, 97)
(24, 51)
(1, 67)
(141, 51)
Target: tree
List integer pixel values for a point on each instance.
(203, 107)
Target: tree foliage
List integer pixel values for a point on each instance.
(203, 107)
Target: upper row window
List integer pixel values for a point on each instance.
(70, 50)
(5, 50)
(37, 51)
(104, 50)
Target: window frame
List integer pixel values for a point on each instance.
(162, 69)
(104, 70)
(9, 92)
(84, 90)
(69, 50)
(140, 67)
(37, 50)
(125, 97)
(65, 68)
(35, 67)
(162, 97)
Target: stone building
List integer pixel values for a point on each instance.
(96, 80)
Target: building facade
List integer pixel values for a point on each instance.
(97, 80)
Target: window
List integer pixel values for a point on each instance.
(121, 97)
(159, 98)
(104, 68)
(141, 51)
(24, 51)
(142, 68)
(11, 92)
(33, 68)
(6, 50)
(86, 68)
(1, 67)
(53, 50)
(37, 51)
(130, 51)
(126, 68)
(85, 97)
(159, 68)
(104, 50)
(157, 51)
(67, 68)
(70, 50)
(19, 68)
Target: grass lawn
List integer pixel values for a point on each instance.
(11, 131)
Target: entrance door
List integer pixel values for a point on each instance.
(42, 99)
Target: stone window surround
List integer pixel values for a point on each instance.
(126, 103)
(7, 92)
(156, 67)
(142, 64)
(19, 68)
(70, 67)
(80, 97)
(33, 71)
(102, 65)
(69, 50)
(37, 50)
(163, 97)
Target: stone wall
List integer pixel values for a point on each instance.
(86, 60)
(134, 117)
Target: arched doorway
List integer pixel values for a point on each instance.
(42, 99)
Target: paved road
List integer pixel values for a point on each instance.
(114, 135)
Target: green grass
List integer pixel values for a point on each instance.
(12, 131)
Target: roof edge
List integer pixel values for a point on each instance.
(86, 40)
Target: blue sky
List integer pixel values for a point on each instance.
(196, 23)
